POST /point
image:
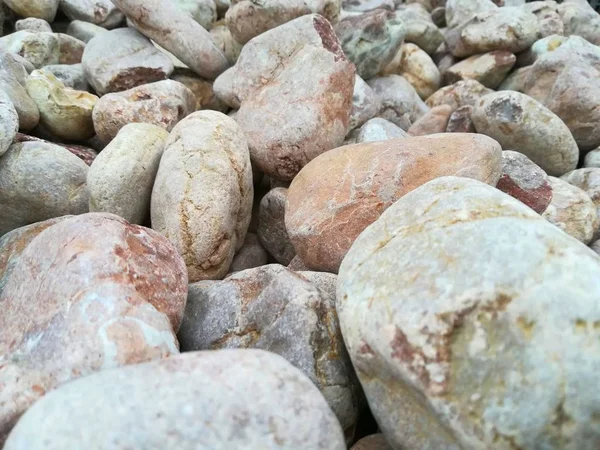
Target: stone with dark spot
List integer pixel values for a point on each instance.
(460, 120)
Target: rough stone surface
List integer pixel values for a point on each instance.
(581, 20)
(372, 442)
(588, 180)
(202, 11)
(86, 154)
(515, 81)
(205, 400)
(202, 196)
(33, 24)
(455, 358)
(365, 104)
(71, 75)
(251, 254)
(460, 120)
(489, 68)
(9, 122)
(97, 12)
(419, 28)
(70, 48)
(224, 40)
(40, 49)
(202, 90)
(520, 123)
(271, 226)
(42, 9)
(467, 92)
(435, 121)
(343, 191)
(84, 31)
(379, 129)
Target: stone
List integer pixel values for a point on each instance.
(572, 210)
(122, 59)
(121, 178)
(9, 122)
(202, 90)
(107, 294)
(595, 246)
(400, 102)
(202, 11)
(580, 19)
(39, 181)
(363, 6)
(224, 40)
(271, 226)
(420, 29)
(588, 180)
(71, 49)
(202, 195)
(335, 197)
(71, 75)
(435, 121)
(460, 120)
(524, 180)
(489, 68)
(434, 342)
(515, 81)
(33, 24)
(379, 129)
(550, 21)
(41, 9)
(592, 158)
(65, 112)
(365, 104)
(228, 398)
(438, 16)
(520, 123)
(97, 12)
(370, 40)
(86, 154)
(250, 255)
(460, 11)
(539, 48)
(297, 265)
(417, 67)
(163, 103)
(171, 28)
(274, 309)
(84, 31)
(372, 442)
(270, 75)
(40, 49)
(461, 93)
(13, 77)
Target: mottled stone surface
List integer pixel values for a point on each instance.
(460, 120)
(453, 358)
(13, 78)
(592, 158)
(343, 191)
(435, 121)
(71, 75)
(224, 40)
(467, 92)
(489, 68)
(202, 11)
(365, 104)
(379, 129)
(70, 49)
(42, 9)
(202, 90)
(271, 226)
(97, 12)
(9, 122)
(40, 49)
(251, 254)
(515, 81)
(86, 154)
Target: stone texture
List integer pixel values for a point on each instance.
(123, 59)
(271, 74)
(9, 122)
(163, 103)
(97, 12)
(461, 11)
(435, 121)
(86, 154)
(467, 92)
(71, 75)
(251, 254)
(581, 20)
(13, 77)
(460, 120)
(224, 40)
(419, 28)
(271, 226)
(40, 49)
(588, 180)
(379, 129)
(33, 24)
(365, 104)
(520, 123)
(592, 158)
(539, 48)
(39, 181)
(203, 400)
(436, 351)
(42, 9)
(84, 31)
(202, 196)
(515, 81)
(272, 308)
(202, 90)
(372, 442)
(343, 191)
(489, 68)
(171, 28)
(70, 48)
(202, 11)
(364, 6)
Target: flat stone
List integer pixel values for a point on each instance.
(41, 9)
(84, 31)
(271, 226)
(489, 68)
(379, 129)
(365, 104)
(9, 122)
(461, 93)
(435, 121)
(33, 24)
(40, 49)
(460, 120)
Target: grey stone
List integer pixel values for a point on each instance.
(9, 122)
(97, 12)
(379, 129)
(271, 226)
(365, 104)
(251, 254)
(71, 75)
(33, 24)
(84, 31)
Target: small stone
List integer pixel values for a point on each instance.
(40, 49)
(271, 226)
(460, 120)
(467, 92)
(202, 11)
(98, 12)
(9, 122)
(372, 442)
(41, 9)
(516, 80)
(580, 19)
(84, 31)
(33, 24)
(419, 28)
(363, 6)
(297, 265)
(365, 104)
(71, 75)
(588, 180)
(435, 121)
(592, 158)
(163, 103)
(539, 48)
(71, 49)
(202, 90)
(379, 129)
(489, 68)
(250, 255)
(460, 11)
(223, 39)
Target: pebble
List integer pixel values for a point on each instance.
(41, 9)
(9, 122)
(488, 68)
(435, 121)
(250, 255)
(84, 31)
(103, 13)
(33, 24)
(40, 49)
(271, 226)
(379, 129)
(460, 120)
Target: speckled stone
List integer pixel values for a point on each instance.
(461, 93)
(489, 69)
(39, 49)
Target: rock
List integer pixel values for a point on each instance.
(460, 11)
(163, 103)
(202, 11)
(572, 210)
(436, 352)
(71, 49)
(467, 92)
(40, 49)
(520, 123)
(71, 75)
(271, 226)
(163, 22)
(109, 294)
(460, 120)
(417, 67)
(40, 181)
(86, 154)
(379, 129)
(370, 40)
(343, 191)
(65, 112)
(123, 59)
(524, 180)
(595, 246)
(41, 9)
(297, 265)
(438, 16)
(33, 24)
(251, 254)
(84, 31)
(270, 75)
(98, 12)
(588, 180)
(372, 442)
(9, 122)
(365, 104)
(539, 48)
(121, 178)
(548, 17)
(274, 309)
(592, 158)
(363, 6)
(202, 196)
(489, 68)
(435, 121)
(202, 90)
(230, 399)
(13, 78)
(400, 102)
(516, 80)
(580, 19)
(420, 29)
(223, 39)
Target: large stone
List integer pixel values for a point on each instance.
(588, 180)
(40, 49)
(489, 68)
(97, 12)
(202, 196)
(228, 399)
(470, 322)
(163, 103)
(435, 121)
(339, 194)
(42, 9)
(520, 123)
(9, 122)
(175, 30)
(271, 74)
(271, 226)
(580, 19)
(123, 59)
(39, 181)
(365, 104)
(71, 49)
(460, 11)
(462, 93)
(272, 308)
(121, 178)
(379, 129)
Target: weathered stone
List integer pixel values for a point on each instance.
(121, 178)
(97, 12)
(223, 39)
(592, 158)
(297, 265)
(9, 122)
(588, 180)
(438, 16)
(86, 154)
(251, 254)
(202, 196)
(516, 80)
(202, 11)
(123, 59)
(520, 123)
(84, 31)
(275, 309)
(460, 121)
(71, 75)
(363, 6)
(343, 191)
(39, 181)
(218, 399)
(539, 48)
(467, 92)
(580, 19)
(106, 293)
(65, 112)
(420, 29)
(365, 104)
(400, 102)
(163, 103)
(163, 22)
(435, 121)
(40, 49)
(71, 49)
(435, 341)
(271, 75)
(372, 442)
(202, 90)
(460, 11)
(42, 9)
(33, 24)
(271, 226)
(379, 129)
(489, 68)
(550, 21)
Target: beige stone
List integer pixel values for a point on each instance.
(271, 226)
(97, 12)
(202, 90)
(488, 68)
(435, 121)
(41, 9)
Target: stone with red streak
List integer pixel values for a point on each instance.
(460, 121)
